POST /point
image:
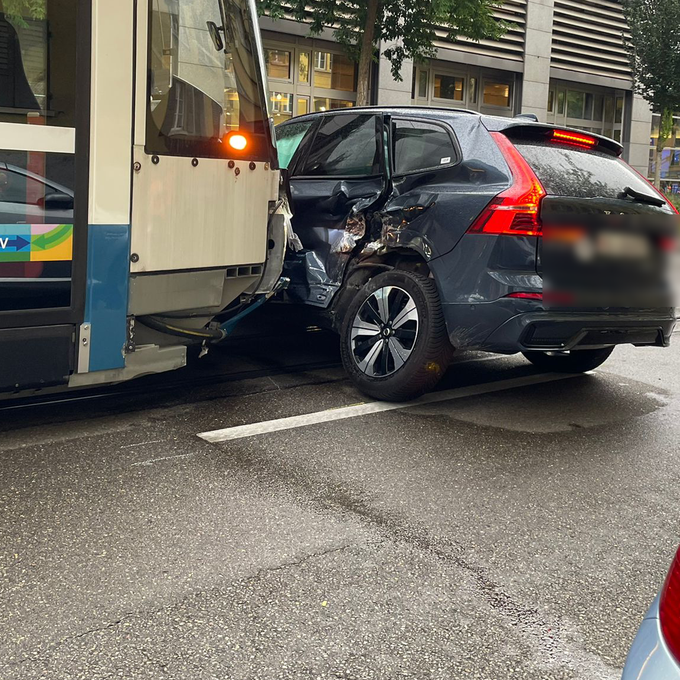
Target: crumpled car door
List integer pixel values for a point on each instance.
(334, 189)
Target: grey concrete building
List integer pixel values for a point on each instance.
(563, 60)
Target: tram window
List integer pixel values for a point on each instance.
(38, 62)
(197, 92)
(36, 230)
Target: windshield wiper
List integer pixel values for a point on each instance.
(642, 197)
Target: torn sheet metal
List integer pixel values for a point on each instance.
(331, 219)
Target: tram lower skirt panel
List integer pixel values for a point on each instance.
(35, 357)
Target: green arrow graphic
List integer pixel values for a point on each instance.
(52, 238)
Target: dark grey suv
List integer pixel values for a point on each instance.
(428, 230)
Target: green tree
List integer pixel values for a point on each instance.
(654, 49)
(408, 27)
(19, 10)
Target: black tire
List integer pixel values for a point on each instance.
(425, 352)
(576, 361)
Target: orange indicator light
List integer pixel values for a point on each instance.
(238, 142)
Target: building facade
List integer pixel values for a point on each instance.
(563, 60)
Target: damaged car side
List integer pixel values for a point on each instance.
(420, 232)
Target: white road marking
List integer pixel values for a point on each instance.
(268, 426)
(129, 446)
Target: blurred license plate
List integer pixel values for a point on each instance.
(621, 245)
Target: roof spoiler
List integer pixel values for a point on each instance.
(525, 130)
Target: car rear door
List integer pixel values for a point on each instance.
(435, 194)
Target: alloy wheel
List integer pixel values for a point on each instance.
(384, 331)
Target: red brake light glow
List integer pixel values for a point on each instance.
(525, 296)
(515, 210)
(669, 608)
(573, 138)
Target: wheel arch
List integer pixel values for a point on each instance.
(361, 270)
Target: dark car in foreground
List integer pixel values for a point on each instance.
(655, 654)
(423, 231)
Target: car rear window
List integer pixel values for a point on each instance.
(567, 171)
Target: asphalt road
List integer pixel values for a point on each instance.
(517, 529)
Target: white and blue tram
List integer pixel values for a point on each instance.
(138, 179)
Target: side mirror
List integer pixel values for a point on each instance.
(57, 201)
(214, 31)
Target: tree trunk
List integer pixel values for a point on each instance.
(366, 55)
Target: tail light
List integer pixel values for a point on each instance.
(522, 295)
(514, 211)
(669, 608)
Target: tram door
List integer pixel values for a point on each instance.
(41, 237)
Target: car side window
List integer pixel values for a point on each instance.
(418, 145)
(346, 145)
(288, 138)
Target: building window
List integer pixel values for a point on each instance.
(496, 94)
(278, 64)
(575, 104)
(281, 106)
(327, 104)
(472, 91)
(448, 87)
(334, 72)
(476, 89)
(304, 79)
(422, 84)
(302, 106)
(321, 61)
(303, 67)
(587, 109)
(598, 105)
(618, 116)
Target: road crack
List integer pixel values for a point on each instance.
(219, 591)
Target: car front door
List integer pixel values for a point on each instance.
(336, 182)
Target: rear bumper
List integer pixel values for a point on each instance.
(649, 658)
(529, 328)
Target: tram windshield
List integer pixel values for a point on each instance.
(205, 80)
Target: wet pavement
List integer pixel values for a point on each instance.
(517, 528)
